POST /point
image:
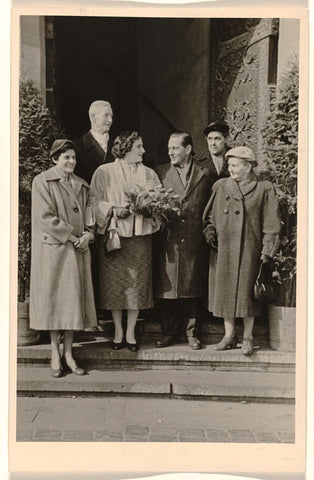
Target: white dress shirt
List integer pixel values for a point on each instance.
(101, 139)
(183, 171)
(218, 162)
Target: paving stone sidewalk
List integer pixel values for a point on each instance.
(151, 420)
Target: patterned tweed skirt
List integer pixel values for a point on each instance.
(125, 275)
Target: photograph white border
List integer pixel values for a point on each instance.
(207, 457)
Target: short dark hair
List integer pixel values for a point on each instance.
(185, 138)
(124, 143)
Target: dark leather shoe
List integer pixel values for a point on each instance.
(117, 346)
(133, 347)
(166, 341)
(194, 343)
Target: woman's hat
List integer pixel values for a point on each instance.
(242, 152)
(58, 144)
(218, 126)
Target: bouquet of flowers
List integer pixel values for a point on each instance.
(157, 203)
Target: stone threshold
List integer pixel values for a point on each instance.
(97, 353)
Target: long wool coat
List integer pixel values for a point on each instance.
(61, 295)
(181, 262)
(243, 225)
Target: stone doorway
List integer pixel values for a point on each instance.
(155, 73)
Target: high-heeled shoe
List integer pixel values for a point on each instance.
(226, 343)
(76, 370)
(56, 373)
(133, 347)
(247, 346)
(117, 345)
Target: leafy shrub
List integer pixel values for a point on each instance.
(37, 131)
(280, 138)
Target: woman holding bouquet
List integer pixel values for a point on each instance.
(125, 274)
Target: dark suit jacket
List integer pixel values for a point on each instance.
(90, 156)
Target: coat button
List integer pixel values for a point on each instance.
(226, 211)
(75, 209)
(45, 237)
(227, 198)
(182, 220)
(237, 212)
(182, 240)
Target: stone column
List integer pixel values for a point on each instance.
(243, 76)
(33, 55)
(288, 44)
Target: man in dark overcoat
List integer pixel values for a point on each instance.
(94, 147)
(182, 254)
(216, 135)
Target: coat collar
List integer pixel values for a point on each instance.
(173, 180)
(224, 171)
(54, 174)
(91, 144)
(196, 174)
(234, 190)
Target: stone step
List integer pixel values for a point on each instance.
(211, 331)
(148, 330)
(196, 384)
(96, 352)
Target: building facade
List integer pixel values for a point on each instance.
(160, 74)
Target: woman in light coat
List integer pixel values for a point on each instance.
(125, 275)
(242, 225)
(61, 293)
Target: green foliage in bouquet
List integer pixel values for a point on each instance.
(37, 131)
(280, 138)
(157, 203)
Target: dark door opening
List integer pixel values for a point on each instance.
(154, 72)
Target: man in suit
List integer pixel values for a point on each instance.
(181, 253)
(216, 134)
(94, 147)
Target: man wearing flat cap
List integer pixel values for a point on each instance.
(216, 134)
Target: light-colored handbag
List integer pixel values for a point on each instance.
(112, 238)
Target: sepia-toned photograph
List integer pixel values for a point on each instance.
(158, 163)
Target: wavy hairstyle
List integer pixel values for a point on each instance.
(124, 143)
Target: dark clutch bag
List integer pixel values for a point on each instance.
(267, 285)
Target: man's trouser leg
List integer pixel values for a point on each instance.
(169, 318)
(188, 312)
